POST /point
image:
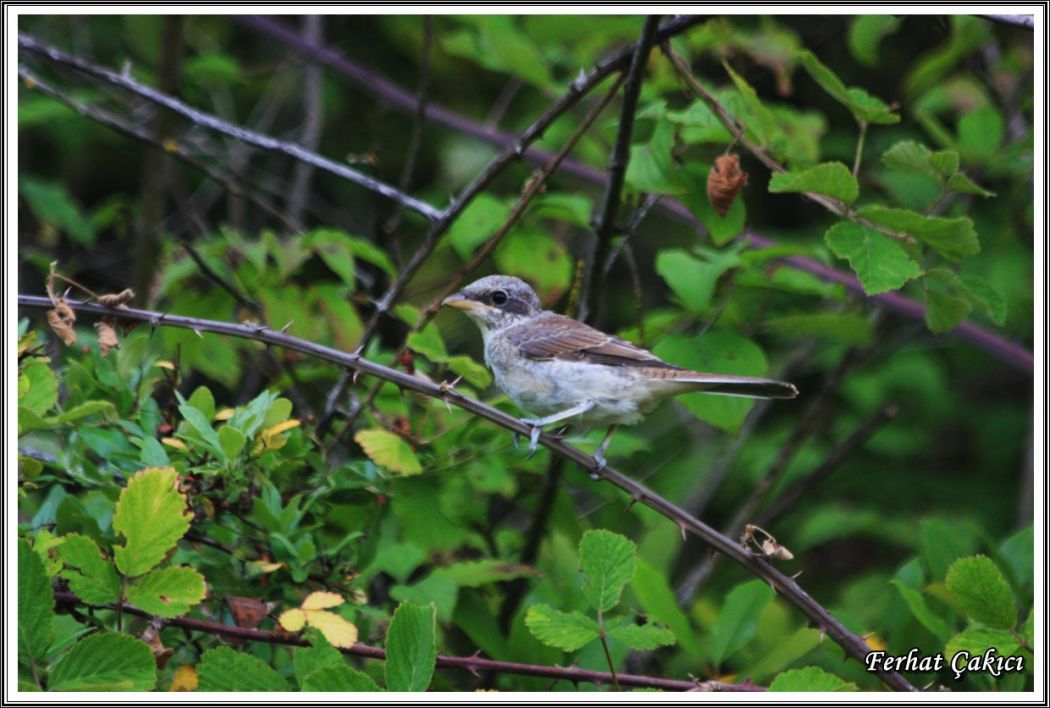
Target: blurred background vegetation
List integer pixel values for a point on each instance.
(940, 464)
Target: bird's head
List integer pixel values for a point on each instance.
(496, 301)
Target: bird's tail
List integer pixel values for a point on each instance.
(729, 385)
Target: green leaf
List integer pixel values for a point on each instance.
(477, 223)
(760, 121)
(607, 560)
(223, 669)
(862, 105)
(651, 168)
(306, 660)
(83, 410)
(201, 425)
(213, 70)
(37, 388)
(977, 640)
(642, 637)
(983, 296)
(36, 605)
(411, 651)
(472, 372)
(866, 33)
(168, 592)
(852, 329)
(982, 592)
(952, 238)
(428, 342)
(339, 677)
(718, 352)
(333, 247)
(434, 589)
(52, 205)
(657, 599)
(152, 516)
(916, 159)
(389, 450)
(537, 257)
(941, 542)
(574, 209)
(944, 312)
(232, 441)
(203, 400)
(92, 577)
(981, 134)
(738, 620)
(832, 179)
(474, 574)
(961, 183)
(693, 279)
(568, 631)
(880, 263)
(921, 611)
(810, 680)
(105, 662)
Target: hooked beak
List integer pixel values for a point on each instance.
(460, 302)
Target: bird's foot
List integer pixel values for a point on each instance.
(596, 473)
(534, 436)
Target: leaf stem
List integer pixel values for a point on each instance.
(605, 648)
(860, 146)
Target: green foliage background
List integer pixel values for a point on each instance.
(430, 510)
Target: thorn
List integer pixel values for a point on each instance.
(198, 333)
(681, 527)
(284, 329)
(795, 576)
(519, 149)
(125, 69)
(353, 379)
(823, 633)
(635, 498)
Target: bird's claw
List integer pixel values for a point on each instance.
(598, 457)
(534, 437)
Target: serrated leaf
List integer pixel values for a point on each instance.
(982, 592)
(977, 640)
(36, 605)
(91, 577)
(737, 622)
(568, 631)
(720, 352)
(643, 637)
(223, 669)
(37, 388)
(428, 342)
(832, 179)
(915, 158)
(811, 680)
(654, 593)
(293, 620)
(921, 611)
(607, 560)
(306, 660)
(105, 662)
(389, 450)
(152, 516)
(411, 651)
(83, 410)
(953, 238)
(168, 592)
(185, 679)
(945, 312)
(321, 600)
(982, 295)
(880, 263)
(339, 677)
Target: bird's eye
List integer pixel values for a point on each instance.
(499, 298)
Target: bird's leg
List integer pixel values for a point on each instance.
(599, 454)
(538, 423)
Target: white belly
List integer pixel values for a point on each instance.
(546, 387)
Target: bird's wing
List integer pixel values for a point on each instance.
(552, 336)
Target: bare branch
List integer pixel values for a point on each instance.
(593, 277)
(782, 584)
(66, 600)
(206, 120)
(312, 118)
(1024, 21)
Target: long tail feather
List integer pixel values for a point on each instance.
(739, 385)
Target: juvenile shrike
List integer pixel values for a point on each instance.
(564, 370)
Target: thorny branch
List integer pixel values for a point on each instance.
(781, 583)
(474, 664)
(206, 120)
(999, 347)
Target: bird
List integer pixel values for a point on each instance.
(563, 370)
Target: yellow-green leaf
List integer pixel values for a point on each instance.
(152, 516)
(389, 450)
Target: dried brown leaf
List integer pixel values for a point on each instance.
(724, 182)
(107, 335)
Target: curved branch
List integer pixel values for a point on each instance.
(206, 120)
(473, 664)
(1011, 353)
(782, 584)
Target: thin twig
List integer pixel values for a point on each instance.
(593, 278)
(862, 127)
(66, 600)
(1010, 353)
(206, 120)
(1023, 21)
(310, 136)
(787, 587)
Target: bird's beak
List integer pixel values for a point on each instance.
(460, 302)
